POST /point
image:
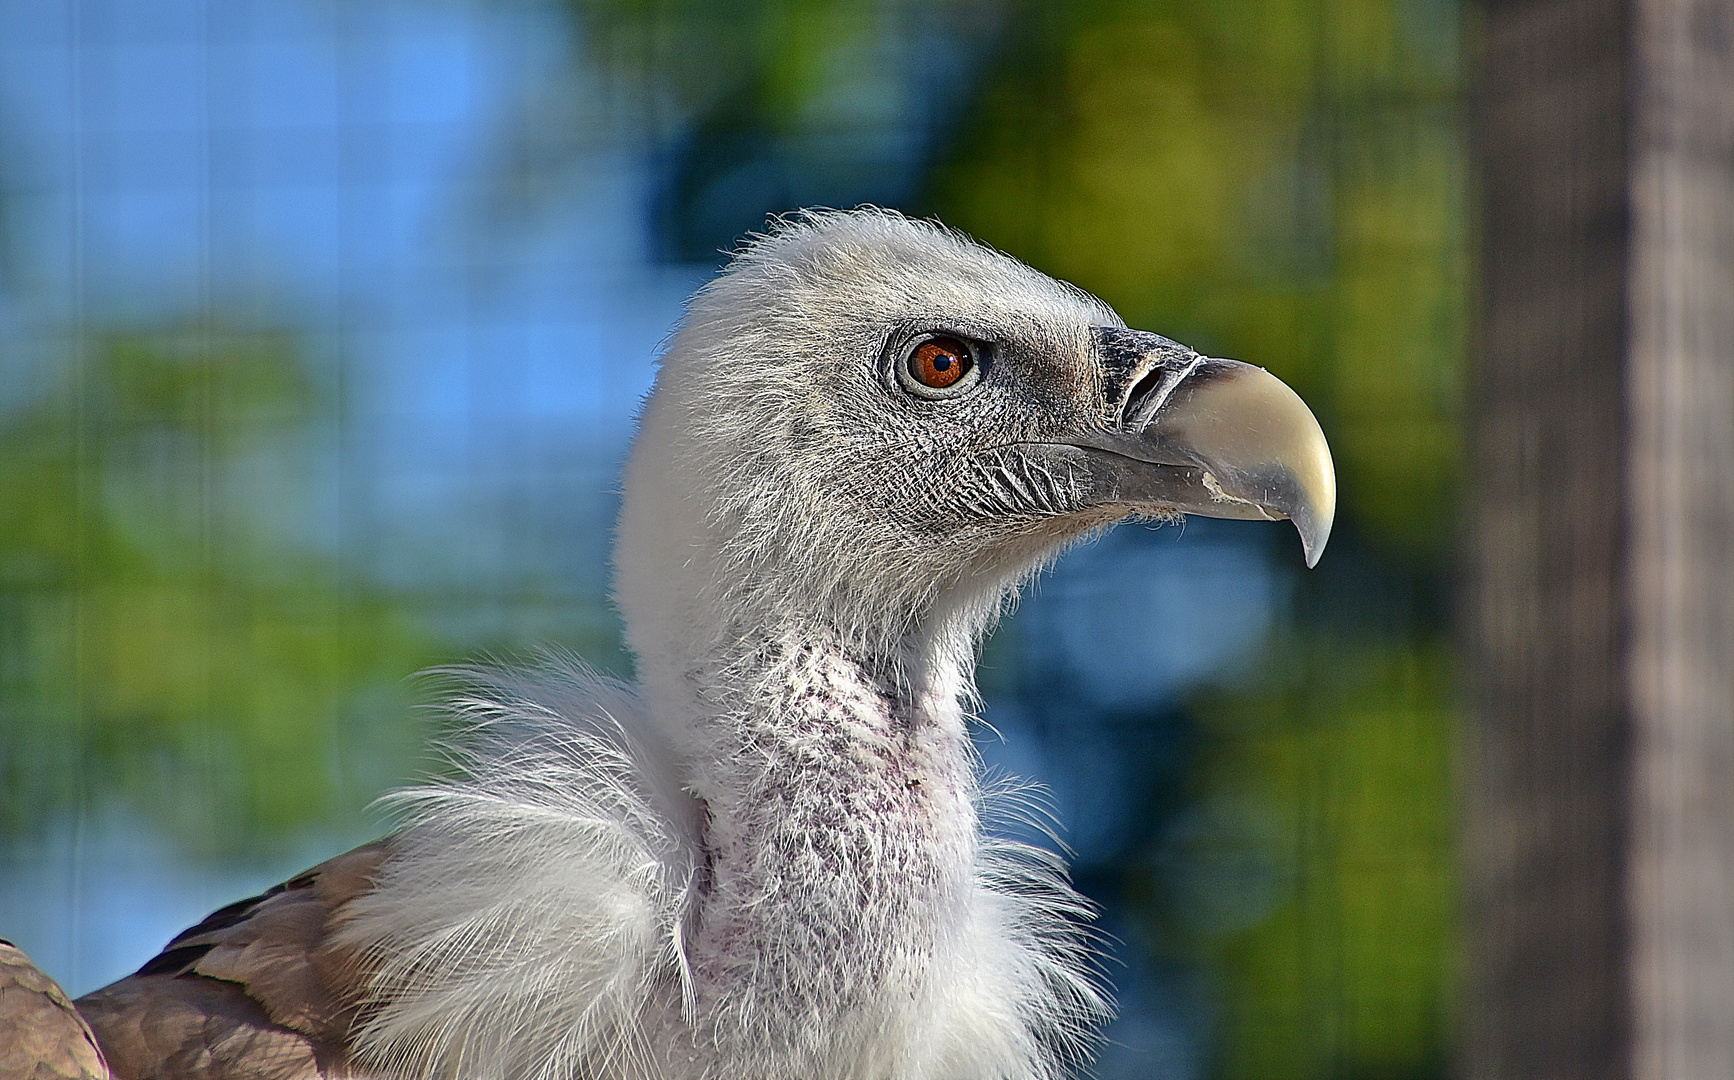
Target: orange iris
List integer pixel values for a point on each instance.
(940, 362)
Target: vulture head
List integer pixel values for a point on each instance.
(877, 426)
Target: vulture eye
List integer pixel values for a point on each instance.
(939, 367)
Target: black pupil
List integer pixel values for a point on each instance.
(942, 362)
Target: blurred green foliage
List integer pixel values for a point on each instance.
(163, 648)
(1342, 751)
(760, 106)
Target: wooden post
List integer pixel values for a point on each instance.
(1599, 840)
(1680, 528)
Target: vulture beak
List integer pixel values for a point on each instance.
(1212, 437)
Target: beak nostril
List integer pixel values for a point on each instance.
(1139, 395)
(1149, 393)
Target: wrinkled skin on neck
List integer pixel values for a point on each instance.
(839, 838)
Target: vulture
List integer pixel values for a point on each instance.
(764, 859)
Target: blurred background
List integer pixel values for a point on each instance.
(322, 327)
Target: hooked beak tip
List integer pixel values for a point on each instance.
(1314, 536)
(1258, 444)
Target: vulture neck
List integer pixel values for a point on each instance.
(838, 840)
(837, 831)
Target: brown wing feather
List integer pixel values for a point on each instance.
(254, 992)
(42, 1037)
